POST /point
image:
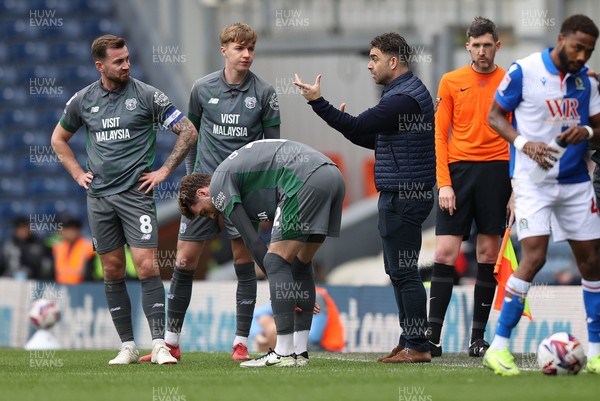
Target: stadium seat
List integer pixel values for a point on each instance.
(8, 163)
(3, 52)
(11, 7)
(86, 74)
(29, 72)
(9, 75)
(10, 96)
(28, 52)
(9, 186)
(17, 118)
(94, 27)
(50, 117)
(16, 207)
(72, 50)
(98, 7)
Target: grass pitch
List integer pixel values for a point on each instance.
(86, 376)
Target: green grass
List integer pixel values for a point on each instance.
(86, 376)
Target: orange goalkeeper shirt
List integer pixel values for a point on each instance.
(462, 132)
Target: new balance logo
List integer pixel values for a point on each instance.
(213, 100)
(158, 305)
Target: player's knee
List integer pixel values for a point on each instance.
(590, 268)
(184, 263)
(487, 256)
(446, 255)
(147, 268)
(113, 270)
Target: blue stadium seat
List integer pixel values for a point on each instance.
(28, 51)
(70, 51)
(8, 163)
(17, 118)
(15, 207)
(10, 186)
(17, 29)
(9, 75)
(49, 118)
(48, 185)
(10, 96)
(71, 28)
(23, 140)
(12, 7)
(94, 27)
(99, 7)
(3, 52)
(84, 73)
(29, 72)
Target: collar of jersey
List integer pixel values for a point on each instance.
(243, 87)
(120, 90)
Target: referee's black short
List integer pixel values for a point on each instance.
(482, 191)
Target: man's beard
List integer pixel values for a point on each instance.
(564, 62)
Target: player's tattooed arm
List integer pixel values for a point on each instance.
(188, 135)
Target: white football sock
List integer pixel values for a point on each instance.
(593, 350)
(239, 339)
(285, 344)
(499, 343)
(300, 341)
(172, 338)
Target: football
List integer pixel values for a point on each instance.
(560, 354)
(44, 313)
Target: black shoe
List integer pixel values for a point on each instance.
(478, 348)
(435, 349)
(301, 359)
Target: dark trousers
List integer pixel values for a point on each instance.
(401, 216)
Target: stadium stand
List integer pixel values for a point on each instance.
(44, 59)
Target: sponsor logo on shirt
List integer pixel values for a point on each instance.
(219, 201)
(563, 112)
(161, 99)
(274, 102)
(111, 134)
(250, 102)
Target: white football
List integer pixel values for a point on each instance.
(44, 313)
(560, 354)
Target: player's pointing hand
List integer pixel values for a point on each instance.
(310, 92)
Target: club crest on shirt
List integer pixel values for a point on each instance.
(131, 104)
(182, 228)
(579, 85)
(250, 102)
